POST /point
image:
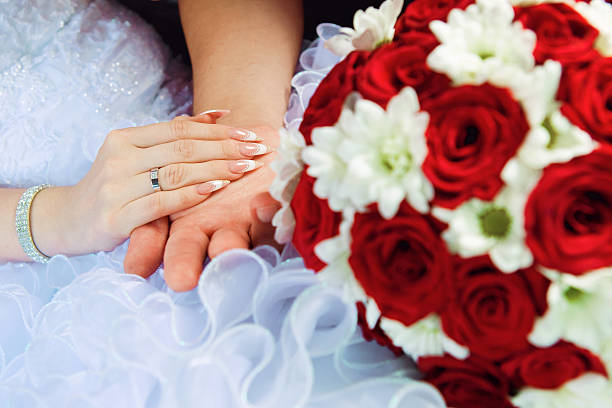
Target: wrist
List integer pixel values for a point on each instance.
(249, 121)
(51, 228)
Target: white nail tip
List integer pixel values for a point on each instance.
(250, 136)
(218, 184)
(212, 111)
(250, 165)
(212, 186)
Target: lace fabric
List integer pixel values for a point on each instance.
(258, 331)
(76, 59)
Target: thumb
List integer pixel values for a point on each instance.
(263, 208)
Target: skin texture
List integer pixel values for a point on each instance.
(243, 60)
(195, 157)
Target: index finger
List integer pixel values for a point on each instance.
(182, 128)
(184, 256)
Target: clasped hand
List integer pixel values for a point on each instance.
(195, 157)
(236, 217)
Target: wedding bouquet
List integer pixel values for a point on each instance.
(453, 176)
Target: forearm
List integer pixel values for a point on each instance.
(243, 53)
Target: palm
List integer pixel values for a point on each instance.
(227, 220)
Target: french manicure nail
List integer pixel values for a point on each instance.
(211, 186)
(243, 166)
(243, 134)
(217, 113)
(253, 149)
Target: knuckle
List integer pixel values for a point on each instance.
(179, 128)
(113, 135)
(229, 148)
(116, 137)
(173, 175)
(112, 166)
(157, 204)
(184, 149)
(184, 199)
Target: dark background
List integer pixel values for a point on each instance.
(164, 17)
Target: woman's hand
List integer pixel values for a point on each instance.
(237, 217)
(116, 196)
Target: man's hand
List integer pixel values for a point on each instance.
(237, 217)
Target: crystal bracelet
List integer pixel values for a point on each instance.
(22, 223)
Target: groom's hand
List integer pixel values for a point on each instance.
(237, 217)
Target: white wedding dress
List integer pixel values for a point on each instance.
(258, 330)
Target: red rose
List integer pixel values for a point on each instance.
(376, 334)
(551, 367)
(425, 40)
(314, 222)
(395, 66)
(467, 383)
(473, 131)
(400, 263)
(420, 13)
(491, 312)
(326, 104)
(587, 97)
(568, 216)
(562, 34)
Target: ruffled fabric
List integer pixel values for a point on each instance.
(314, 64)
(258, 331)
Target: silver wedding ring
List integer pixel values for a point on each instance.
(155, 179)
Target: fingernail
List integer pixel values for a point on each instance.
(265, 214)
(243, 166)
(253, 149)
(243, 134)
(217, 113)
(211, 186)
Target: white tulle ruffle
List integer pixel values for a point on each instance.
(259, 330)
(315, 62)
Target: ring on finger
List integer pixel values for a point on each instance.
(154, 175)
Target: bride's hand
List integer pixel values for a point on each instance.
(237, 217)
(116, 196)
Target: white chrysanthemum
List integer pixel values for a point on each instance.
(520, 177)
(335, 252)
(556, 140)
(605, 354)
(482, 42)
(380, 153)
(327, 166)
(535, 90)
(288, 167)
(578, 310)
(373, 28)
(423, 338)
(589, 390)
(599, 14)
(495, 228)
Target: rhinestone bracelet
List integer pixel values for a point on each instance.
(22, 223)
